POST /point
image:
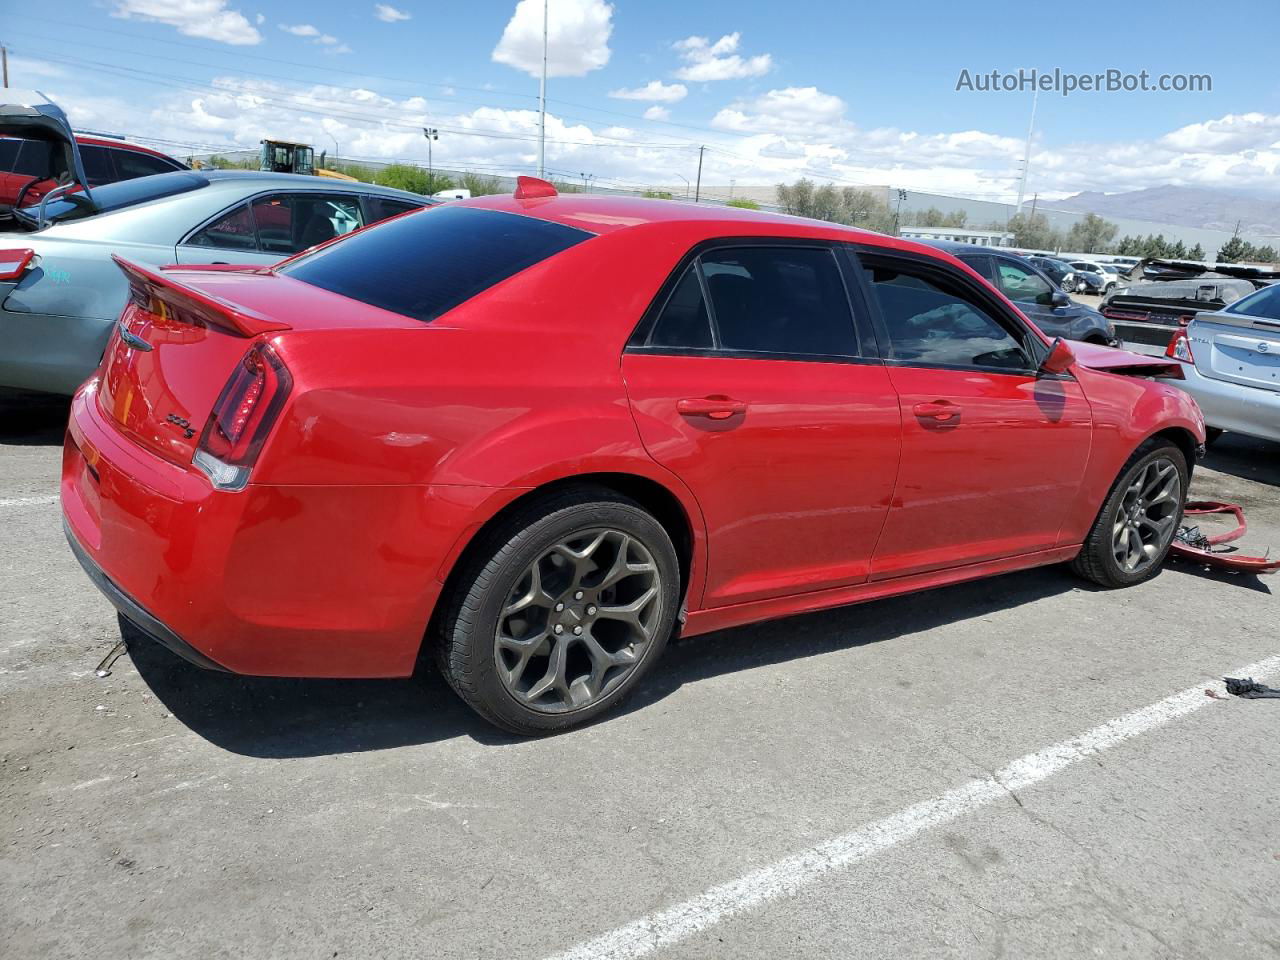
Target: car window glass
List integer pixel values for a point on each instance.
(684, 322)
(935, 324)
(8, 153)
(382, 207)
(131, 163)
(290, 223)
(36, 159)
(425, 265)
(980, 265)
(1265, 303)
(1021, 284)
(788, 300)
(232, 231)
(97, 165)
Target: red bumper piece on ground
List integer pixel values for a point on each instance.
(1192, 544)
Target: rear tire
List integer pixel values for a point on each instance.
(1131, 536)
(548, 625)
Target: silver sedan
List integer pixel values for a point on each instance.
(58, 304)
(1231, 365)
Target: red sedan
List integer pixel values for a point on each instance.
(535, 435)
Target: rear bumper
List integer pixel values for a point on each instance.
(1233, 406)
(298, 580)
(133, 611)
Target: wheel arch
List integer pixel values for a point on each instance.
(1183, 438)
(675, 515)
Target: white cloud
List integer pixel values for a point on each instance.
(22, 69)
(1241, 131)
(577, 37)
(261, 18)
(389, 14)
(790, 109)
(208, 19)
(706, 61)
(657, 113)
(655, 91)
(331, 43)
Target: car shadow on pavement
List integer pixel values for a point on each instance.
(32, 419)
(285, 718)
(279, 718)
(1246, 581)
(1247, 458)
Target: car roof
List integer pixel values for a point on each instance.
(98, 140)
(956, 248)
(241, 179)
(605, 214)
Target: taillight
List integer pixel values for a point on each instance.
(241, 419)
(1180, 347)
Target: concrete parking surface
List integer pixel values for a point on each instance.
(969, 772)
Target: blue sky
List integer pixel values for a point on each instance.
(850, 92)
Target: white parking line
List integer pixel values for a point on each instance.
(27, 501)
(788, 876)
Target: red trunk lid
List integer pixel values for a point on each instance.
(183, 334)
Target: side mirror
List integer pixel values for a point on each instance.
(1060, 299)
(1059, 358)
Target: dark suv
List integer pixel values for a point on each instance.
(1042, 300)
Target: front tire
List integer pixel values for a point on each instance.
(1131, 536)
(559, 611)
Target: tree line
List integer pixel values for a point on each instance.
(1093, 234)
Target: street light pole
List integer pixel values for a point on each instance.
(697, 191)
(431, 133)
(542, 100)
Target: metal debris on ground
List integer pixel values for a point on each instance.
(104, 668)
(1250, 689)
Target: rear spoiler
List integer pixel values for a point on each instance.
(166, 296)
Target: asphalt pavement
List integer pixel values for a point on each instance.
(1024, 766)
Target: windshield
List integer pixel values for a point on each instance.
(116, 196)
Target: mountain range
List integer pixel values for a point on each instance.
(1184, 206)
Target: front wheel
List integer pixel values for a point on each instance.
(1131, 536)
(560, 611)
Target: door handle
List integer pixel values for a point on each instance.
(940, 410)
(714, 408)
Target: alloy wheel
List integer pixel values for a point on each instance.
(1146, 516)
(578, 621)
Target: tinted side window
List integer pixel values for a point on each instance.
(788, 300)
(8, 153)
(382, 207)
(684, 323)
(1021, 284)
(980, 265)
(97, 165)
(290, 223)
(425, 265)
(132, 164)
(232, 231)
(932, 322)
(36, 159)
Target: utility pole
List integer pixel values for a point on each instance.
(431, 133)
(4, 58)
(1026, 156)
(542, 100)
(897, 213)
(697, 191)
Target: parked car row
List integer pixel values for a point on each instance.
(59, 305)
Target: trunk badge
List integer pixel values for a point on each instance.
(131, 340)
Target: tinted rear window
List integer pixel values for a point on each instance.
(425, 264)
